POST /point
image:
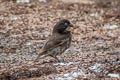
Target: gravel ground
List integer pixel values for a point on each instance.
(95, 50)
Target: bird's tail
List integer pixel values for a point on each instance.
(42, 54)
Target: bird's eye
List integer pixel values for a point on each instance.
(66, 24)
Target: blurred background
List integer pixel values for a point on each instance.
(95, 51)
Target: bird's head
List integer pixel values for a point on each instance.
(63, 27)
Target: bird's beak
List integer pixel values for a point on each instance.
(71, 28)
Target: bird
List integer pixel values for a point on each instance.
(59, 41)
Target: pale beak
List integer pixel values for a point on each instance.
(70, 29)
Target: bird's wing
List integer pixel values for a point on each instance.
(51, 44)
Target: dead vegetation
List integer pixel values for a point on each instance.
(94, 53)
(23, 71)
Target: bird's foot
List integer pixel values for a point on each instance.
(60, 60)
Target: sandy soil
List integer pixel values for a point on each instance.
(95, 50)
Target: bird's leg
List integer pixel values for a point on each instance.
(57, 58)
(62, 60)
